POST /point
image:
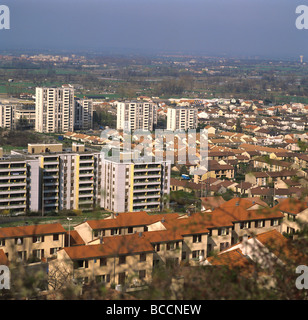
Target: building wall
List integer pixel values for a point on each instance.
(112, 268)
(13, 246)
(55, 110)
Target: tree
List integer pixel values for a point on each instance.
(238, 127)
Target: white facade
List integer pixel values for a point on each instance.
(136, 115)
(130, 186)
(7, 116)
(54, 110)
(182, 118)
(83, 114)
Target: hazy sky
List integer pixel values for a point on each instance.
(213, 27)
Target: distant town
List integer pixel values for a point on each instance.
(115, 172)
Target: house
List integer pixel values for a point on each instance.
(265, 178)
(272, 165)
(114, 260)
(267, 249)
(295, 214)
(210, 130)
(210, 203)
(32, 242)
(123, 223)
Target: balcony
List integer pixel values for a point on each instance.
(146, 196)
(145, 189)
(147, 176)
(147, 182)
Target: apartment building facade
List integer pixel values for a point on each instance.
(13, 112)
(136, 115)
(54, 109)
(7, 119)
(61, 179)
(182, 118)
(13, 185)
(83, 114)
(135, 186)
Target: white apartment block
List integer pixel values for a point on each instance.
(136, 115)
(83, 114)
(182, 118)
(7, 116)
(60, 179)
(54, 109)
(135, 186)
(47, 178)
(12, 112)
(13, 185)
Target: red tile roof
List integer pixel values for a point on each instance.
(128, 219)
(3, 258)
(111, 246)
(27, 231)
(291, 205)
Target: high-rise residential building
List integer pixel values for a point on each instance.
(182, 118)
(7, 116)
(83, 114)
(13, 111)
(135, 185)
(134, 115)
(47, 177)
(54, 109)
(13, 185)
(63, 179)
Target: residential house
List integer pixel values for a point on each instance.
(32, 242)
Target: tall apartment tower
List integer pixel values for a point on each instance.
(182, 118)
(56, 178)
(83, 114)
(7, 116)
(136, 115)
(54, 109)
(135, 186)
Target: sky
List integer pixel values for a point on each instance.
(243, 28)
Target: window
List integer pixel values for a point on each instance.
(55, 237)
(172, 245)
(38, 253)
(223, 231)
(81, 264)
(130, 230)
(260, 224)
(245, 225)
(121, 278)
(157, 247)
(197, 238)
(103, 262)
(122, 259)
(143, 257)
(19, 240)
(103, 278)
(22, 255)
(197, 253)
(115, 231)
(142, 274)
(53, 250)
(2, 243)
(274, 222)
(37, 239)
